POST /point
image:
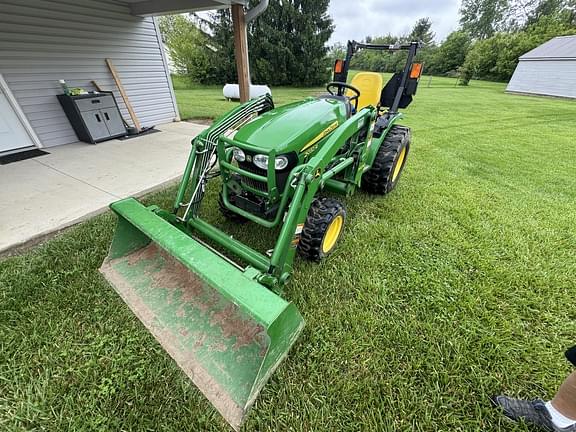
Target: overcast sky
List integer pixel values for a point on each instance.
(356, 19)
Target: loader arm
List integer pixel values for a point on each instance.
(204, 147)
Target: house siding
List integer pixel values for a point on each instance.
(545, 77)
(44, 41)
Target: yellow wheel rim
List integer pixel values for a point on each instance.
(399, 164)
(332, 234)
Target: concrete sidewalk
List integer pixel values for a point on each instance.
(45, 194)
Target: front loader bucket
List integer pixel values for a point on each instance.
(227, 332)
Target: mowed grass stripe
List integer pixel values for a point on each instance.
(457, 285)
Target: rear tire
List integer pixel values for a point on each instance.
(229, 214)
(323, 228)
(389, 163)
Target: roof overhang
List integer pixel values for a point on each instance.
(167, 7)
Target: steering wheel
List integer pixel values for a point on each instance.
(340, 86)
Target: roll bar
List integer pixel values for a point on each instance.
(354, 47)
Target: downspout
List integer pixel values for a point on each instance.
(256, 11)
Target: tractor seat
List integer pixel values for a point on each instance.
(370, 85)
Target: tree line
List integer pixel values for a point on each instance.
(288, 42)
(493, 34)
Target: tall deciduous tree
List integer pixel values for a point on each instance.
(496, 57)
(336, 51)
(451, 54)
(186, 45)
(376, 61)
(482, 18)
(563, 10)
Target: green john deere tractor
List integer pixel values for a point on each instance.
(224, 324)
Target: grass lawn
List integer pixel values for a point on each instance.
(458, 285)
(207, 102)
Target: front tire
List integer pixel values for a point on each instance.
(323, 228)
(389, 163)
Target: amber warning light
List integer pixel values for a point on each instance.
(339, 66)
(416, 71)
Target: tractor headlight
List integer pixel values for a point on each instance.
(261, 161)
(238, 154)
(281, 162)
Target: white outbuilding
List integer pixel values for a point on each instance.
(549, 69)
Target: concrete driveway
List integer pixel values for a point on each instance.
(43, 195)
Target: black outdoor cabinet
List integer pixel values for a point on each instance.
(95, 117)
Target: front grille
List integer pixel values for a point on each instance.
(281, 176)
(254, 184)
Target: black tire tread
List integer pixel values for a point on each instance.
(321, 213)
(378, 179)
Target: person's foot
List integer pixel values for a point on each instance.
(534, 412)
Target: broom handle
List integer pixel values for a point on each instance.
(123, 94)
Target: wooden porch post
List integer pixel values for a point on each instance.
(241, 51)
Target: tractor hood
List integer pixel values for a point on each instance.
(293, 127)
